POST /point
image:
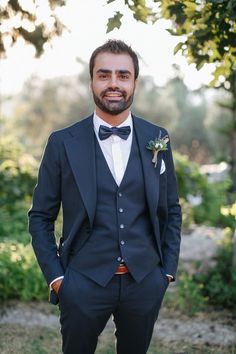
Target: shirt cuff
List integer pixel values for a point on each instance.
(171, 276)
(58, 278)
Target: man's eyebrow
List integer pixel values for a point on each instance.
(107, 71)
(104, 71)
(125, 71)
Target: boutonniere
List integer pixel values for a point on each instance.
(159, 144)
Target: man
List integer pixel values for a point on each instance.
(121, 216)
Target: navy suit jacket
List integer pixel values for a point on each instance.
(67, 178)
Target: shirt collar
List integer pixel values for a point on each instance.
(97, 121)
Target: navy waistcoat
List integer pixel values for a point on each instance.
(122, 227)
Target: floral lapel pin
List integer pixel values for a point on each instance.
(156, 145)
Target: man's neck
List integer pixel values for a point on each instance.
(113, 120)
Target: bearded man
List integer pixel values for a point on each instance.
(113, 175)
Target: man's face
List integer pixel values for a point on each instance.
(113, 82)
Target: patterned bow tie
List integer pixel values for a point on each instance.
(105, 132)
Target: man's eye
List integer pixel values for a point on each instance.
(124, 76)
(102, 76)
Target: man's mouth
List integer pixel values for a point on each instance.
(113, 95)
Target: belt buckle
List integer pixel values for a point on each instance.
(122, 269)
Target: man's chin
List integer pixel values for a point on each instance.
(114, 109)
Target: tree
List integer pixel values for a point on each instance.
(209, 29)
(24, 20)
(208, 35)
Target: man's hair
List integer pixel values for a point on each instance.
(115, 47)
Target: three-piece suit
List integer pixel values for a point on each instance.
(137, 222)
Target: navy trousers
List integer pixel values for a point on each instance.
(86, 307)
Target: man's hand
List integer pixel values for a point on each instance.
(169, 278)
(56, 285)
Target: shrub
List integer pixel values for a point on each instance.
(190, 298)
(187, 214)
(228, 216)
(20, 276)
(220, 281)
(14, 223)
(213, 197)
(190, 180)
(196, 193)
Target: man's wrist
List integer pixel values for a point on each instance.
(54, 281)
(169, 277)
(56, 285)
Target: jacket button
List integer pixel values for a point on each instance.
(119, 259)
(120, 194)
(122, 226)
(121, 210)
(122, 242)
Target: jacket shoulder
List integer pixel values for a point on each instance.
(68, 132)
(149, 126)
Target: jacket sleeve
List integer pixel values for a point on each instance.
(172, 234)
(44, 211)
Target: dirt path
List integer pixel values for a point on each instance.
(207, 329)
(210, 329)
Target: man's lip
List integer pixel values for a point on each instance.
(113, 94)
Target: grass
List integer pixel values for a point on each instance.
(15, 339)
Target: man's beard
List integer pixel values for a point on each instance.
(113, 107)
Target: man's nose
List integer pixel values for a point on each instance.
(113, 82)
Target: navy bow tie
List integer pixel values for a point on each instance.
(105, 132)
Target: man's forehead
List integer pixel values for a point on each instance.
(114, 62)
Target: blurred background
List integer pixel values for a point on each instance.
(187, 53)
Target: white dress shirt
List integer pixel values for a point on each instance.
(115, 149)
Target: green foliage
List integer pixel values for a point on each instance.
(14, 222)
(220, 281)
(17, 180)
(141, 12)
(193, 184)
(190, 180)
(209, 211)
(187, 214)
(17, 173)
(20, 276)
(31, 28)
(190, 299)
(114, 22)
(228, 216)
(210, 32)
(209, 28)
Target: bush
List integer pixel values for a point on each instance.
(14, 222)
(187, 214)
(213, 197)
(190, 180)
(220, 281)
(20, 275)
(228, 216)
(196, 193)
(190, 298)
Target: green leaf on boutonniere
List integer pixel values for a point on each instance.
(156, 145)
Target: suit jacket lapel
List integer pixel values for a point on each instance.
(80, 150)
(81, 154)
(151, 175)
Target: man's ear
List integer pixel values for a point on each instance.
(90, 85)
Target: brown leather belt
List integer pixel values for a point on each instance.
(122, 269)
